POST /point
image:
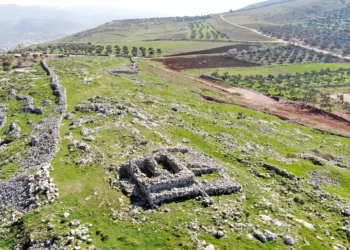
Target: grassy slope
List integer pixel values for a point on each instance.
(282, 13)
(236, 33)
(271, 138)
(136, 36)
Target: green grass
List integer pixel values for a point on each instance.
(194, 121)
(36, 85)
(273, 70)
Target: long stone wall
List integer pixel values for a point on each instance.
(23, 190)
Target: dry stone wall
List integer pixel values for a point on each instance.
(23, 190)
(3, 111)
(172, 173)
(125, 70)
(212, 78)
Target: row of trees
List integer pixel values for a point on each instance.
(330, 31)
(281, 55)
(204, 31)
(91, 49)
(299, 86)
(141, 51)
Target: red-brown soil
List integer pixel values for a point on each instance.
(218, 50)
(286, 110)
(290, 111)
(203, 62)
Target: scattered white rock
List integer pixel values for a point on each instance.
(185, 140)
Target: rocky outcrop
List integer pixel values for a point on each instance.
(317, 179)
(29, 105)
(280, 172)
(13, 130)
(172, 173)
(3, 110)
(23, 190)
(125, 70)
(212, 78)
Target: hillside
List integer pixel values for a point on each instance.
(289, 11)
(201, 28)
(25, 25)
(174, 35)
(180, 133)
(265, 4)
(110, 120)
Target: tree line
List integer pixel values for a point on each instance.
(91, 49)
(329, 31)
(303, 87)
(280, 55)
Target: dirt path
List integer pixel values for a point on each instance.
(291, 111)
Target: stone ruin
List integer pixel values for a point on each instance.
(174, 173)
(29, 104)
(125, 70)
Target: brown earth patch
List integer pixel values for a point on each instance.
(218, 50)
(203, 62)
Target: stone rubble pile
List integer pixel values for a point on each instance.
(317, 160)
(29, 105)
(80, 145)
(100, 104)
(171, 173)
(23, 190)
(316, 179)
(13, 130)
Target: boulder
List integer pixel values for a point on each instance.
(260, 236)
(288, 241)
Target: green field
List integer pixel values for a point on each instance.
(274, 70)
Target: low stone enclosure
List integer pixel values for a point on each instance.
(174, 173)
(125, 70)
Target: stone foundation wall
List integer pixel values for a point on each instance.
(23, 190)
(163, 176)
